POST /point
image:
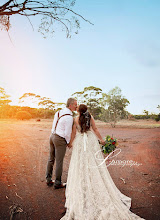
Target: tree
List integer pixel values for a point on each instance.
(30, 99)
(116, 105)
(47, 104)
(146, 112)
(159, 113)
(91, 96)
(43, 102)
(4, 98)
(51, 13)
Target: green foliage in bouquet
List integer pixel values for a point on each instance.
(111, 144)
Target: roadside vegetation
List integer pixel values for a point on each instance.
(107, 107)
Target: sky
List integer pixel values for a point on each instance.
(121, 49)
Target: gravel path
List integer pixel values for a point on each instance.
(24, 149)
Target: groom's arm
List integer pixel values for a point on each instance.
(73, 134)
(68, 128)
(54, 122)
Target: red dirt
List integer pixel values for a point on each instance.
(24, 150)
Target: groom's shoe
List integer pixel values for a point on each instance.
(63, 185)
(50, 183)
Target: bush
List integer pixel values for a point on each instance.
(157, 118)
(144, 116)
(4, 111)
(23, 115)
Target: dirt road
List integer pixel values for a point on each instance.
(24, 149)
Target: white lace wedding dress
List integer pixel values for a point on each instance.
(91, 193)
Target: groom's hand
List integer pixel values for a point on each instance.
(69, 145)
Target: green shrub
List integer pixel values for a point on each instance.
(144, 116)
(23, 115)
(156, 118)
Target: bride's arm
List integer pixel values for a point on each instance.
(96, 131)
(72, 135)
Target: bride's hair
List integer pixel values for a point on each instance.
(84, 118)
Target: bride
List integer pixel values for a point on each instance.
(90, 192)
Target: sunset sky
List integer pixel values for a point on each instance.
(122, 49)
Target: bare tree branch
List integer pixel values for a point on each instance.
(60, 11)
(3, 7)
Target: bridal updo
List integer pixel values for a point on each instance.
(84, 118)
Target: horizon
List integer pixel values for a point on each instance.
(28, 103)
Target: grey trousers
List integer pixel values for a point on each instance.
(57, 152)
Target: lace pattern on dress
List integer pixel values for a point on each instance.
(91, 193)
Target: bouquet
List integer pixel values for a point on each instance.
(111, 144)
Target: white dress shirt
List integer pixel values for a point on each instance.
(64, 126)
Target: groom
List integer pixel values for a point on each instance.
(59, 140)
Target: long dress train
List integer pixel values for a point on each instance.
(91, 193)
